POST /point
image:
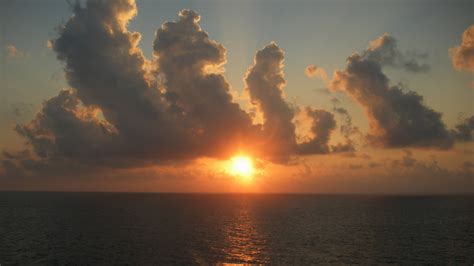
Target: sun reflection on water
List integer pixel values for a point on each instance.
(244, 244)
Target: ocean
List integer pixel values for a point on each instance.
(59, 228)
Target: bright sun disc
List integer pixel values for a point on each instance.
(242, 166)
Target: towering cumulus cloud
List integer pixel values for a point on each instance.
(189, 62)
(397, 118)
(106, 71)
(265, 82)
(117, 109)
(463, 55)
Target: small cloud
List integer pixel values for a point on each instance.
(355, 166)
(312, 71)
(13, 52)
(467, 165)
(463, 55)
(49, 44)
(374, 165)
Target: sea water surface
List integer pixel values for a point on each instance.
(150, 229)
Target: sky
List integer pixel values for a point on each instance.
(160, 96)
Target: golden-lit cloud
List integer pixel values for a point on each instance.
(264, 84)
(315, 71)
(463, 55)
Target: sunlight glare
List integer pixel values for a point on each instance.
(242, 166)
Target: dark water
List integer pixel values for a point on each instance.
(114, 228)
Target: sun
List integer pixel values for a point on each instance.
(242, 166)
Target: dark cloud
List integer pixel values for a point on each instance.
(119, 109)
(343, 147)
(466, 151)
(103, 64)
(264, 84)
(374, 165)
(347, 130)
(464, 130)
(408, 162)
(355, 166)
(323, 124)
(463, 55)
(384, 50)
(16, 155)
(189, 63)
(64, 129)
(397, 117)
(123, 111)
(108, 71)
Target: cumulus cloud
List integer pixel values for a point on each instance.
(464, 130)
(190, 62)
(323, 124)
(13, 52)
(107, 73)
(264, 84)
(397, 117)
(123, 110)
(122, 107)
(63, 129)
(463, 55)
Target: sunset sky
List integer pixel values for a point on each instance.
(237, 96)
